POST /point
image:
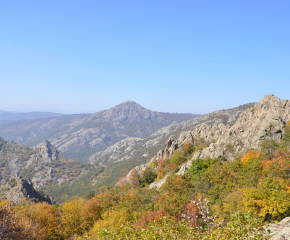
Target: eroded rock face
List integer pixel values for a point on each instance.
(159, 183)
(281, 230)
(264, 120)
(175, 135)
(23, 189)
(48, 153)
(41, 164)
(120, 151)
(171, 146)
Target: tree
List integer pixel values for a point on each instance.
(70, 218)
(269, 200)
(178, 157)
(269, 148)
(10, 228)
(148, 176)
(91, 212)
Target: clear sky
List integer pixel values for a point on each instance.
(176, 56)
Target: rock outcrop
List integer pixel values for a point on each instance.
(281, 230)
(41, 164)
(48, 153)
(175, 135)
(242, 131)
(20, 189)
(266, 120)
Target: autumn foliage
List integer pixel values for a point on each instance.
(215, 200)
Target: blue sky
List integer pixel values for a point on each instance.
(175, 56)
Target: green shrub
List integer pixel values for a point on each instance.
(230, 147)
(148, 176)
(178, 157)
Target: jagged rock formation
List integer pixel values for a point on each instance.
(48, 153)
(281, 230)
(176, 135)
(42, 164)
(264, 120)
(18, 189)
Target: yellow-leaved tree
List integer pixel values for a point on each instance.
(39, 218)
(70, 220)
(270, 199)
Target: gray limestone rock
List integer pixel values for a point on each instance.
(159, 183)
(23, 189)
(264, 120)
(48, 153)
(281, 230)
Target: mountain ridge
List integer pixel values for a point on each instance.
(82, 135)
(10, 116)
(265, 120)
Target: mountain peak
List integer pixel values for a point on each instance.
(128, 102)
(49, 153)
(270, 97)
(46, 143)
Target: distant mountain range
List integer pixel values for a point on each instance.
(80, 136)
(11, 116)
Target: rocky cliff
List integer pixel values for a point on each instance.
(43, 164)
(18, 189)
(263, 120)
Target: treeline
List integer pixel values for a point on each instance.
(216, 199)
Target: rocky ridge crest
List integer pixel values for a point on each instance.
(264, 120)
(175, 135)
